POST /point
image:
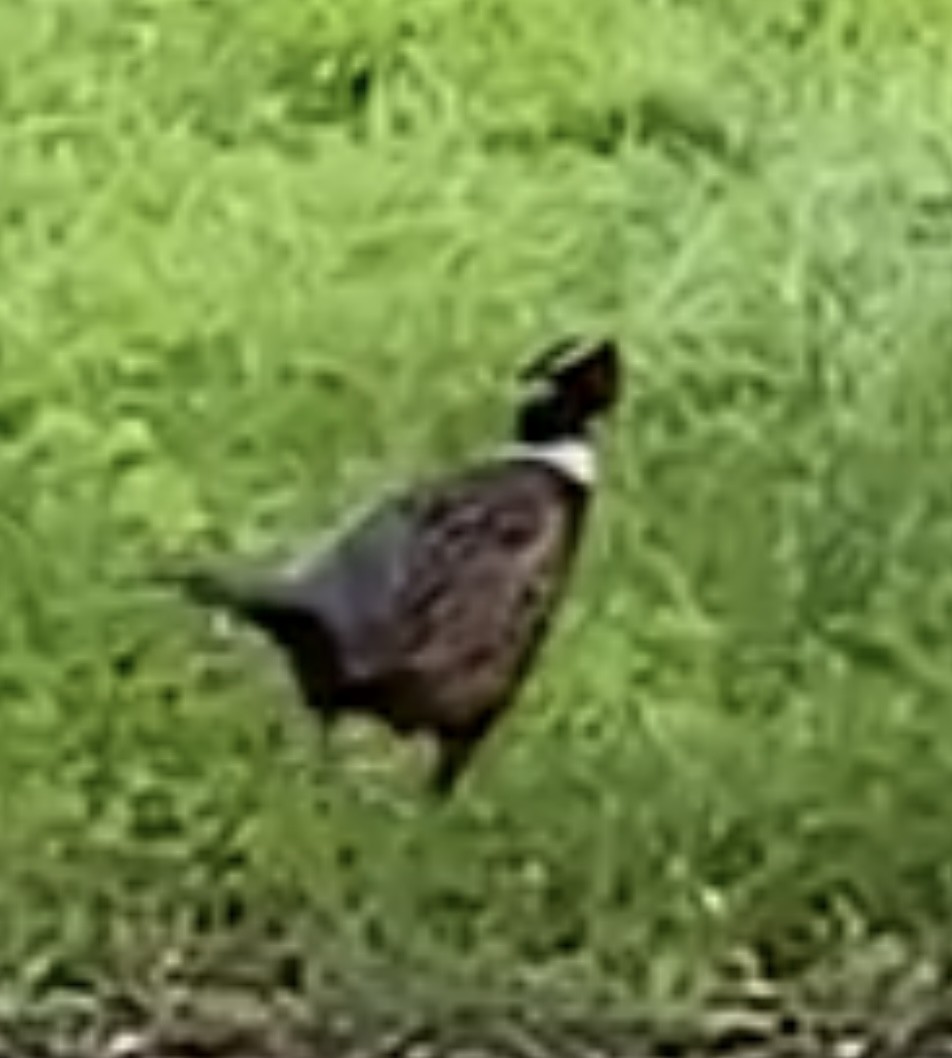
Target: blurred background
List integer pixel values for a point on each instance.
(259, 263)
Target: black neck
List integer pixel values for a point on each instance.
(547, 419)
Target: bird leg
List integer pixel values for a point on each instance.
(454, 755)
(327, 723)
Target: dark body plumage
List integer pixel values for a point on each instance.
(429, 612)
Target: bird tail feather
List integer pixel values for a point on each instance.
(269, 605)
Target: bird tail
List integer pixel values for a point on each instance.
(238, 596)
(269, 605)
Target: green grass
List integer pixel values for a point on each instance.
(259, 260)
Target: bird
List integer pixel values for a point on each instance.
(429, 611)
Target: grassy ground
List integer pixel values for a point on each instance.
(256, 260)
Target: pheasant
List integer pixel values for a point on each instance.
(429, 612)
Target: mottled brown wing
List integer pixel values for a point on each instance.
(484, 581)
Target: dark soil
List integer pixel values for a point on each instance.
(234, 1025)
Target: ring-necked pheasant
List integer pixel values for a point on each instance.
(429, 612)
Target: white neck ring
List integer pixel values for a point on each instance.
(571, 457)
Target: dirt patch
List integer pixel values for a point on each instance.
(234, 1025)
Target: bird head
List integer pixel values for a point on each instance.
(570, 385)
